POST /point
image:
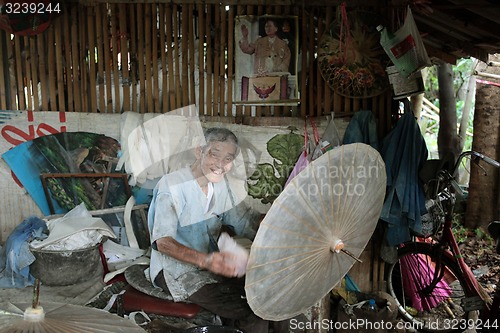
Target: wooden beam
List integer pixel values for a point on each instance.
(309, 3)
(442, 55)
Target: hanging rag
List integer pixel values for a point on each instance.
(362, 129)
(404, 152)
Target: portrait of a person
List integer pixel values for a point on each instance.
(271, 53)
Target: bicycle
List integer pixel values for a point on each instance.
(433, 287)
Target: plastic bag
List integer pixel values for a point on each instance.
(304, 158)
(329, 140)
(405, 47)
(300, 165)
(239, 255)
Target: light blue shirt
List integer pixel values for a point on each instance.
(178, 209)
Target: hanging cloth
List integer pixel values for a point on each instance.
(403, 151)
(362, 129)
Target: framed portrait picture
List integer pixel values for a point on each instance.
(266, 60)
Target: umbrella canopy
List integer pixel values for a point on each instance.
(313, 231)
(418, 272)
(61, 318)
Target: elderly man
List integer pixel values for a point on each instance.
(188, 210)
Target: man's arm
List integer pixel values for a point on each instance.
(245, 45)
(216, 262)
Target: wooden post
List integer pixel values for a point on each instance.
(140, 58)
(201, 58)
(148, 18)
(100, 61)
(28, 81)
(124, 53)
(163, 58)
(3, 77)
(92, 58)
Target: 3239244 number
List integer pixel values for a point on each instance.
(470, 324)
(30, 8)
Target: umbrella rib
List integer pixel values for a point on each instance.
(357, 206)
(283, 269)
(306, 201)
(290, 232)
(352, 231)
(292, 247)
(311, 226)
(310, 254)
(314, 269)
(323, 221)
(370, 201)
(349, 198)
(61, 325)
(62, 318)
(286, 291)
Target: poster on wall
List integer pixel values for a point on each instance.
(266, 60)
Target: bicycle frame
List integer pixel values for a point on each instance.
(431, 262)
(447, 241)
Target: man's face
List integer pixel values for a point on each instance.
(217, 159)
(270, 28)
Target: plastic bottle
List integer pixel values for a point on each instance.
(371, 305)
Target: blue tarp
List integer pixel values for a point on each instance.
(16, 257)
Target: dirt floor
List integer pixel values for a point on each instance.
(479, 253)
(478, 250)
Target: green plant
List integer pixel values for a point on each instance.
(459, 230)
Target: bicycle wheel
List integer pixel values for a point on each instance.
(429, 288)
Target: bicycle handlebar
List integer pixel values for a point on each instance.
(491, 161)
(485, 158)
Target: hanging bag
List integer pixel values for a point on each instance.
(302, 161)
(405, 47)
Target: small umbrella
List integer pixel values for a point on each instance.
(61, 318)
(314, 230)
(417, 273)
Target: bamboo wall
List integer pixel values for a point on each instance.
(69, 66)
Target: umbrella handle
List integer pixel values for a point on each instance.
(337, 246)
(36, 294)
(351, 255)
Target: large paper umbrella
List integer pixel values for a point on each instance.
(61, 318)
(314, 230)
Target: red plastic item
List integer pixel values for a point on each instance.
(134, 300)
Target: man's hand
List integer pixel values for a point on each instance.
(220, 263)
(216, 262)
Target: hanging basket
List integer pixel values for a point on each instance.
(350, 57)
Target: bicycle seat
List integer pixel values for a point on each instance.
(494, 230)
(430, 168)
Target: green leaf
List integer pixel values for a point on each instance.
(286, 148)
(268, 180)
